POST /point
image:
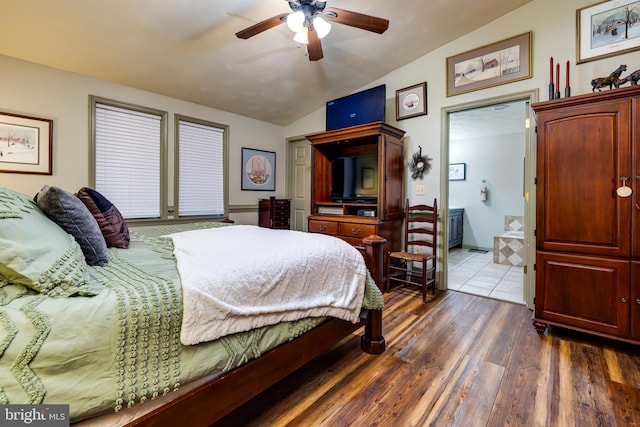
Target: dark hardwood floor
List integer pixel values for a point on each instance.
(459, 360)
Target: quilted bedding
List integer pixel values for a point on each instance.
(121, 346)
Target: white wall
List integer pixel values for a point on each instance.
(485, 219)
(553, 24)
(35, 90)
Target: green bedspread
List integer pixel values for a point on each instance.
(122, 346)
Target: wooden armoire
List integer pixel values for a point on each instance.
(588, 213)
(354, 220)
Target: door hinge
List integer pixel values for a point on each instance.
(524, 269)
(534, 267)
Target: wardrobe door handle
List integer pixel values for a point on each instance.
(623, 299)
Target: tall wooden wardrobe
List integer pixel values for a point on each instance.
(353, 221)
(588, 214)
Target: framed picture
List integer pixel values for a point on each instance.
(457, 171)
(368, 178)
(495, 64)
(411, 101)
(258, 170)
(607, 29)
(25, 144)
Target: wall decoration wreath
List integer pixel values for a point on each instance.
(419, 164)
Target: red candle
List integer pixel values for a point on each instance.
(551, 70)
(557, 77)
(567, 85)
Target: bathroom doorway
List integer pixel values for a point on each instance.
(488, 156)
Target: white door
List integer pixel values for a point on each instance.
(300, 183)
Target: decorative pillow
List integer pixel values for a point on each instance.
(72, 215)
(111, 222)
(37, 253)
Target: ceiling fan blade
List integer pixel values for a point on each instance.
(358, 20)
(262, 26)
(314, 48)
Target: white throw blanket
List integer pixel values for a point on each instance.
(241, 277)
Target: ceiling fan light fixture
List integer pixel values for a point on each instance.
(295, 21)
(302, 36)
(321, 26)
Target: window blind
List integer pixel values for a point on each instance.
(200, 169)
(127, 159)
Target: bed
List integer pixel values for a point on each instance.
(109, 339)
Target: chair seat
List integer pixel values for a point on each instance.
(408, 256)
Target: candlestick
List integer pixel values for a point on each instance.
(551, 70)
(557, 95)
(567, 88)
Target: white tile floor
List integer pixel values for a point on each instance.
(475, 273)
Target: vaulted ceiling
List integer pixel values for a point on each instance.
(187, 49)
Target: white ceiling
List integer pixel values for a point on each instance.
(187, 49)
(482, 122)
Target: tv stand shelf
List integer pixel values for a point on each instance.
(352, 220)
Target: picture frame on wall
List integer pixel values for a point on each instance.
(411, 101)
(258, 170)
(368, 178)
(25, 144)
(495, 64)
(606, 29)
(457, 171)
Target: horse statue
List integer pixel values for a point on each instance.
(612, 80)
(633, 78)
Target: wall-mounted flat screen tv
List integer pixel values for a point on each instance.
(355, 179)
(356, 109)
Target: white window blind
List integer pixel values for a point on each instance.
(200, 169)
(127, 159)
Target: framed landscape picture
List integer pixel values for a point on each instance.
(457, 171)
(25, 144)
(495, 64)
(411, 101)
(607, 29)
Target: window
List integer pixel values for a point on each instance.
(130, 162)
(201, 167)
(129, 152)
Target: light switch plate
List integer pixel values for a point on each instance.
(420, 190)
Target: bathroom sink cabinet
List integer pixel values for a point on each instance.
(456, 221)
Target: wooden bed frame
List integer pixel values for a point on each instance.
(219, 396)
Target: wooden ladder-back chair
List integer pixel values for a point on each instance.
(416, 264)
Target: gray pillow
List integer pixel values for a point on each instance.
(66, 210)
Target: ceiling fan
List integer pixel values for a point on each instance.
(308, 20)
